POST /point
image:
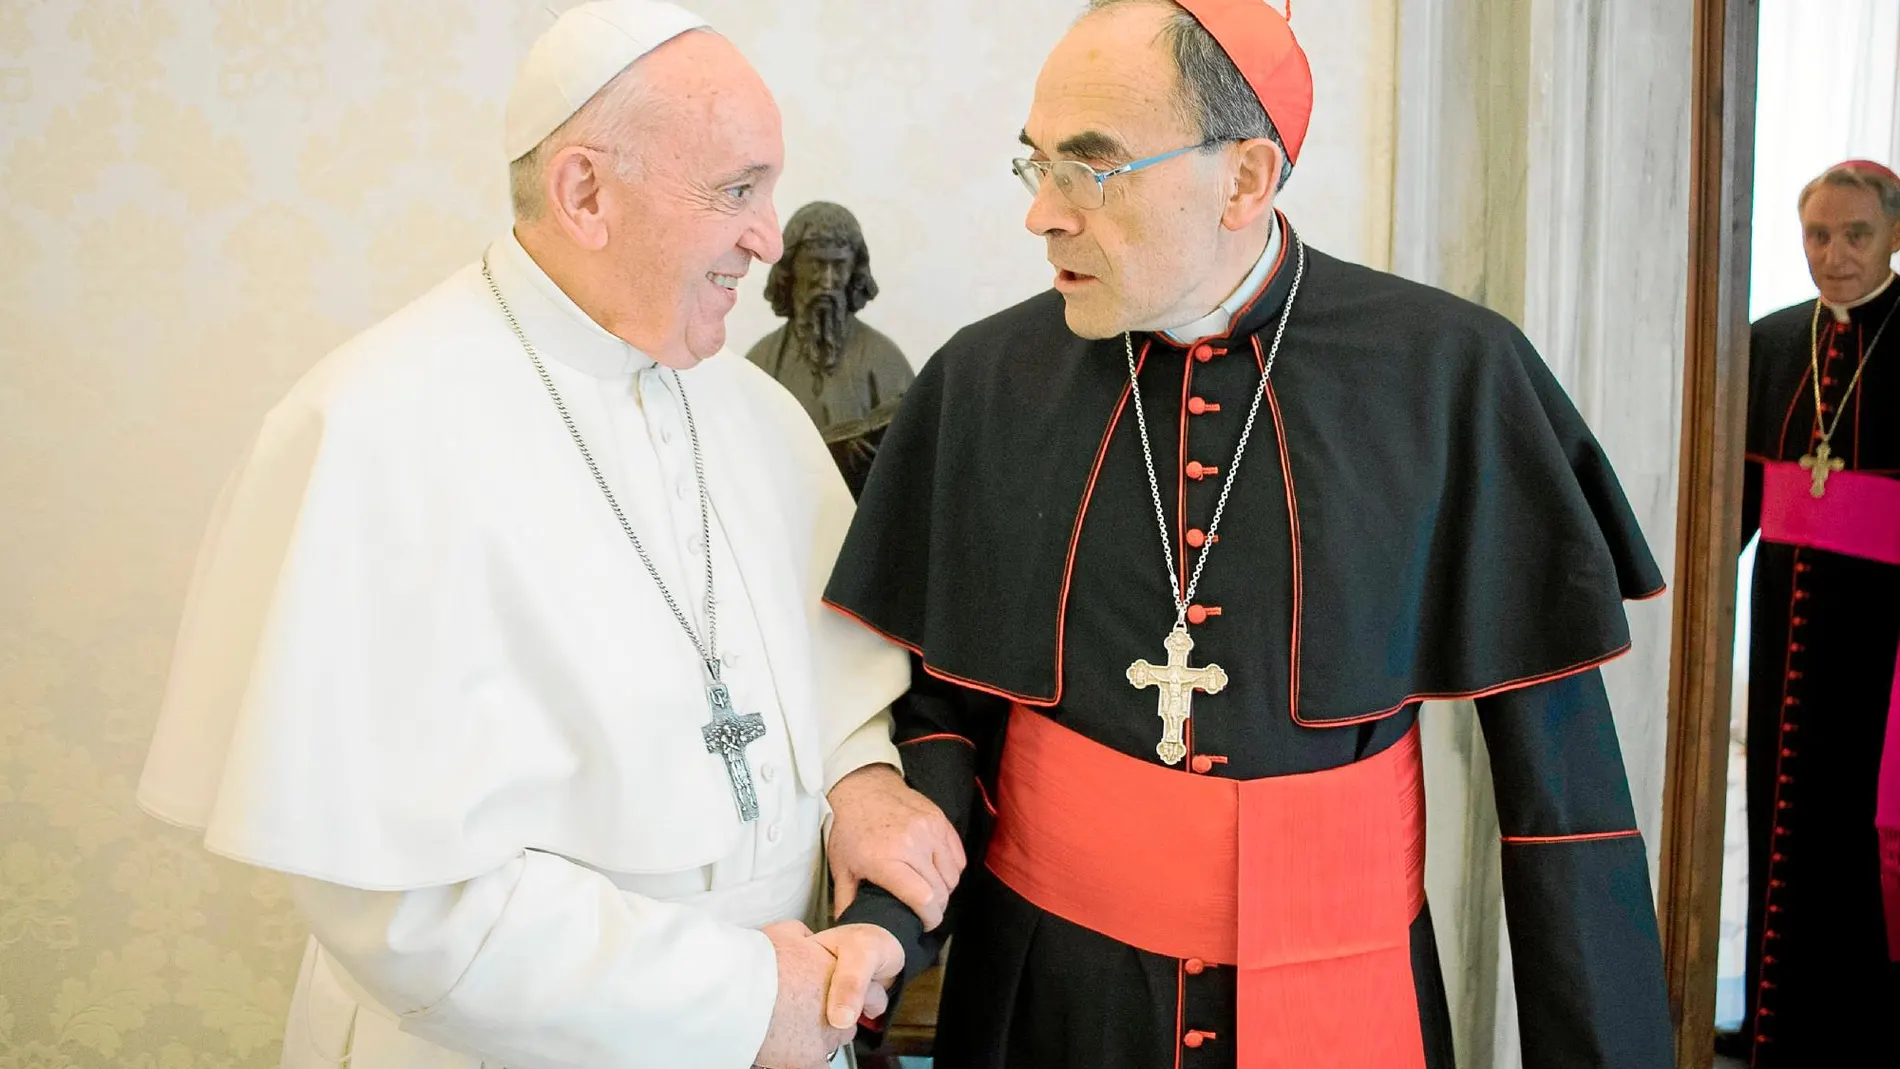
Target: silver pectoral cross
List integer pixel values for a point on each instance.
(1820, 464)
(1177, 684)
(727, 736)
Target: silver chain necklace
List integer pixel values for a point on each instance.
(729, 733)
(1176, 680)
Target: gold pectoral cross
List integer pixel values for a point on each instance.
(1820, 464)
(1177, 683)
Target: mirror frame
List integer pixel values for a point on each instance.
(1708, 526)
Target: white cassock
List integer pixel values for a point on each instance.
(423, 671)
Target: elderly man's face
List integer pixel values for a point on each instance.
(1143, 260)
(700, 209)
(1849, 240)
(820, 270)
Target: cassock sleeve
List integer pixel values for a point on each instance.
(1577, 896)
(543, 963)
(949, 739)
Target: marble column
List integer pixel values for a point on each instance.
(1542, 171)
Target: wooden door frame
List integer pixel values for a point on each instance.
(1709, 506)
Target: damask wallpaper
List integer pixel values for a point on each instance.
(198, 198)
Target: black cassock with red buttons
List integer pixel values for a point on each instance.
(1420, 513)
(1820, 680)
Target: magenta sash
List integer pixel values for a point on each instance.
(1858, 517)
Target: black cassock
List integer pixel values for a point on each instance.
(1821, 663)
(1421, 513)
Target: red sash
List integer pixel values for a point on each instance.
(1859, 516)
(1307, 884)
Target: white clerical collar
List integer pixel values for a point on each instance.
(1221, 318)
(1841, 310)
(552, 321)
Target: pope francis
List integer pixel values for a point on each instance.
(506, 645)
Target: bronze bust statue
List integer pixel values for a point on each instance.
(848, 376)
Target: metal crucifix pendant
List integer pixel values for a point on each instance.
(1820, 464)
(727, 736)
(1177, 684)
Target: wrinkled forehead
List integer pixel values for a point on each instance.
(709, 101)
(1109, 89)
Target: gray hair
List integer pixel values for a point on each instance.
(612, 120)
(1858, 176)
(1214, 96)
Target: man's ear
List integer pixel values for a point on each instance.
(572, 186)
(1256, 182)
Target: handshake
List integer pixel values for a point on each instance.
(826, 981)
(887, 833)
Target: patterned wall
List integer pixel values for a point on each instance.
(199, 197)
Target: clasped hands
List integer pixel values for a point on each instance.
(886, 833)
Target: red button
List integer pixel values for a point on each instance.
(1193, 966)
(1200, 614)
(1203, 764)
(1197, 470)
(1196, 1038)
(1196, 537)
(1203, 352)
(1200, 407)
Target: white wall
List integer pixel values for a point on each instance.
(198, 199)
(907, 113)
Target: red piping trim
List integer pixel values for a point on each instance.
(1068, 572)
(1180, 1008)
(1474, 695)
(1860, 338)
(938, 672)
(983, 793)
(1293, 532)
(1781, 443)
(1527, 840)
(1656, 593)
(940, 737)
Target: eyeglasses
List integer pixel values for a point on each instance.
(1082, 184)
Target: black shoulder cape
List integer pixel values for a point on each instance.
(1457, 530)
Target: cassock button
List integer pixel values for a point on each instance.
(1200, 614)
(1203, 764)
(1196, 537)
(1199, 406)
(1194, 966)
(1196, 1037)
(773, 834)
(768, 772)
(1203, 352)
(1198, 471)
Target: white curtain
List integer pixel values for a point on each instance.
(1826, 92)
(1542, 171)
